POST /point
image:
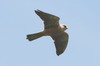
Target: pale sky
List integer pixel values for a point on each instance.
(17, 19)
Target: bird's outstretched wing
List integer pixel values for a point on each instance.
(50, 21)
(61, 42)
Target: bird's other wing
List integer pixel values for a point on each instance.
(50, 21)
(61, 42)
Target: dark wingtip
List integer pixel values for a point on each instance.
(37, 10)
(59, 53)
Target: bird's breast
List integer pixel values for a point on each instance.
(53, 31)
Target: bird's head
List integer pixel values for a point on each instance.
(63, 27)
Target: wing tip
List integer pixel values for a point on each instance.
(37, 11)
(59, 53)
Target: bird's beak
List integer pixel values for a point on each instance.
(66, 27)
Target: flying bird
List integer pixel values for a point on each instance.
(53, 29)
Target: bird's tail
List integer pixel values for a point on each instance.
(31, 37)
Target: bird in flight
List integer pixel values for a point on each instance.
(53, 29)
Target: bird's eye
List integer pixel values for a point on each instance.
(65, 26)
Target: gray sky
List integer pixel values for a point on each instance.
(17, 19)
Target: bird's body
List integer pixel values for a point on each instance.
(54, 29)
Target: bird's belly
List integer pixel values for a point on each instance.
(53, 31)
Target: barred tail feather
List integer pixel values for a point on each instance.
(31, 37)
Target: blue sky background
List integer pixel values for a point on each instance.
(17, 19)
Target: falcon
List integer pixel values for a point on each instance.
(53, 29)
